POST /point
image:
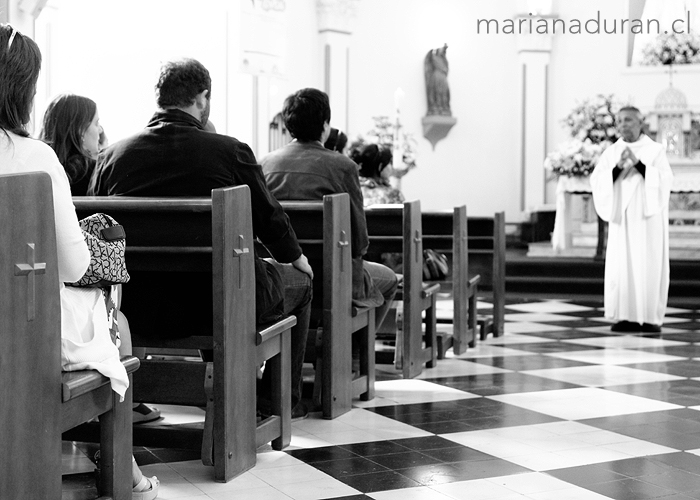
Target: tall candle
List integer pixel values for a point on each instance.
(397, 158)
(398, 99)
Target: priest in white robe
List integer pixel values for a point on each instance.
(631, 187)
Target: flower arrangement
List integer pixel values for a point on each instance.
(592, 127)
(672, 48)
(383, 134)
(594, 119)
(576, 158)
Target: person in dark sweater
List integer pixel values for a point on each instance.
(175, 155)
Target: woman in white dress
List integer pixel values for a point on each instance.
(86, 342)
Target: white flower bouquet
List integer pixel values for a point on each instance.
(672, 48)
(575, 158)
(592, 127)
(594, 119)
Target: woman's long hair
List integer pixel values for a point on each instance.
(20, 62)
(66, 119)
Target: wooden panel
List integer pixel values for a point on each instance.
(30, 340)
(233, 279)
(412, 285)
(447, 231)
(336, 388)
(499, 272)
(464, 333)
(323, 229)
(154, 382)
(192, 258)
(398, 228)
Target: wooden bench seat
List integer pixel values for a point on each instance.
(323, 230)
(192, 288)
(398, 228)
(487, 257)
(446, 231)
(39, 402)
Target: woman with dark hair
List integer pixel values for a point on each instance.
(72, 129)
(83, 310)
(374, 162)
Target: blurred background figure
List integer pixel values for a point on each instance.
(374, 162)
(337, 141)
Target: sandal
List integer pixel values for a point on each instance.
(143, 413)
(147, 489)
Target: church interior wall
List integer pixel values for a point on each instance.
(111, 51)
(476, 163)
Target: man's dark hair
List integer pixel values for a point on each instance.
(305, 112)
(180, 82)
(20, 62)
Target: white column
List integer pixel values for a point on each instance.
(334, 26)
(262, 53)
(533, 55)
(21, 14)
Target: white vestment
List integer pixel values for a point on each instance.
(637, 263)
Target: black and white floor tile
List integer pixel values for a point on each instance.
(558, 408)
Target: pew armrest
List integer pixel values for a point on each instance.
(274, 330)
(429, 289)
(77, 383)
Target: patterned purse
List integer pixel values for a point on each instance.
(106, 240)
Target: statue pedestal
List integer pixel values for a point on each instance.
(436, 127)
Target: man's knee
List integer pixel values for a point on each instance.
(298, 285)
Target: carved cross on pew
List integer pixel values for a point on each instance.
(238, 253)
(30, 270)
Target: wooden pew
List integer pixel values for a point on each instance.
(193, 287)
(446, 231)
(38, 401)
(487, 257)
(323, 230)
(398, 228)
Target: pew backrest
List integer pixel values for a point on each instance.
(486, 248)
(323, 230)
(30, 338)
(192, 274)
(398, 228)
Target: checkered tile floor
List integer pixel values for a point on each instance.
(557, 408)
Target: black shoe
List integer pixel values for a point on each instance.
(649, 328)
(299, 412)
(626, 326)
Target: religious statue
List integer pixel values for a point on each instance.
(436, 87)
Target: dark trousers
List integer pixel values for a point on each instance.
(297, 302)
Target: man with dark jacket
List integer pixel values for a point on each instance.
(176, 156)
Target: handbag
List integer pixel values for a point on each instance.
(435, 266)
(106, 240)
